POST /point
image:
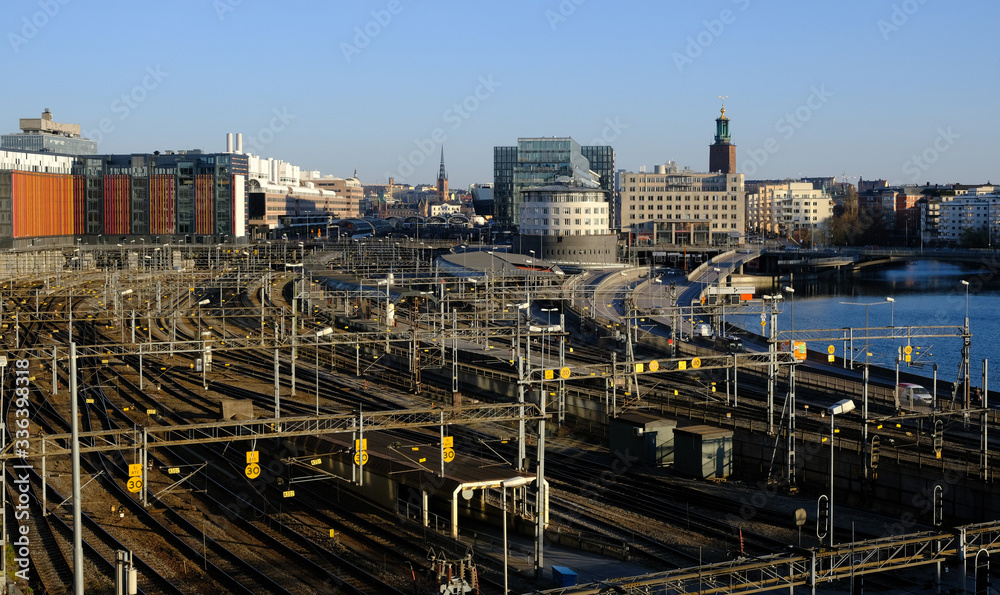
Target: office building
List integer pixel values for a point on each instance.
(183, 197)
(537, 162)
(566, 224)
(45, 135)
(348, 194)
(682, 207)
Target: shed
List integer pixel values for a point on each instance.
(703, 451)
(644, 436)
(563, 576)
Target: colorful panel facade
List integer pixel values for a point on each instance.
(42, 204)
(204, 204)
(79, 205)
(162, 204)
(117, 196)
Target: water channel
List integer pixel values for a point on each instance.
(926, 293)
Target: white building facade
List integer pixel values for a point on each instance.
(672, 206)
(968, 212)
(568, 225)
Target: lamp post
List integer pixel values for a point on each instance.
(719, 295)
(889, 301)
(791, 335)
(892, 311)
(513, 482)
(548, 329)
(204, 302)
(838, 408)
(320, 333)
(966, 284)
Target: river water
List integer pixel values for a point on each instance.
(926, 293)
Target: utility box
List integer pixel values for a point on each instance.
(563, 576)
(703, 452)
(643, 436)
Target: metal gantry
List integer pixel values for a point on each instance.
(811, 567)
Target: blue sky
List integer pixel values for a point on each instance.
(899, 89)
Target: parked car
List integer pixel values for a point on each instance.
(914, 397)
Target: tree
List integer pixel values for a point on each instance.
(848, 225)
(974, 237)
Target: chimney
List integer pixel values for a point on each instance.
(229, 142)
(239, 143)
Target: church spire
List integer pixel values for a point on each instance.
(442, 181)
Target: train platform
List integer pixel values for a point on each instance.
(428, 478)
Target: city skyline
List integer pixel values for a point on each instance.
(879, 89)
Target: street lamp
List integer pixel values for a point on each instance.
(838, 408)
(204, 302)
(319, 334)
(513, 482)
(966, 283)
(892, 311)
(791, 335)
(867, 305)
(545, 338)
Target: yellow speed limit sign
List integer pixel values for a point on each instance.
(908, 350)
(564, 373)
(830, 349)
(448, 454)
(696, 362)
(134, 484)
(253, 471)
(361, 458)
(654, 366)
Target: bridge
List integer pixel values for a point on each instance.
(773, 261)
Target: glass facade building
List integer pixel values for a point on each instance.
(537, 162)
(48, 143)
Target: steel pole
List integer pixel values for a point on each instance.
(830, 515)
(77, 513)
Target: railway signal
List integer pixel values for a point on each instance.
(822, 517)
(983, 581)
(938, 437)
(938, 505)
(875, 443)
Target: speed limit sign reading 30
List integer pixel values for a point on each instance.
(449, 455)
(361, 458)
(253, 470)
(134, 484)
